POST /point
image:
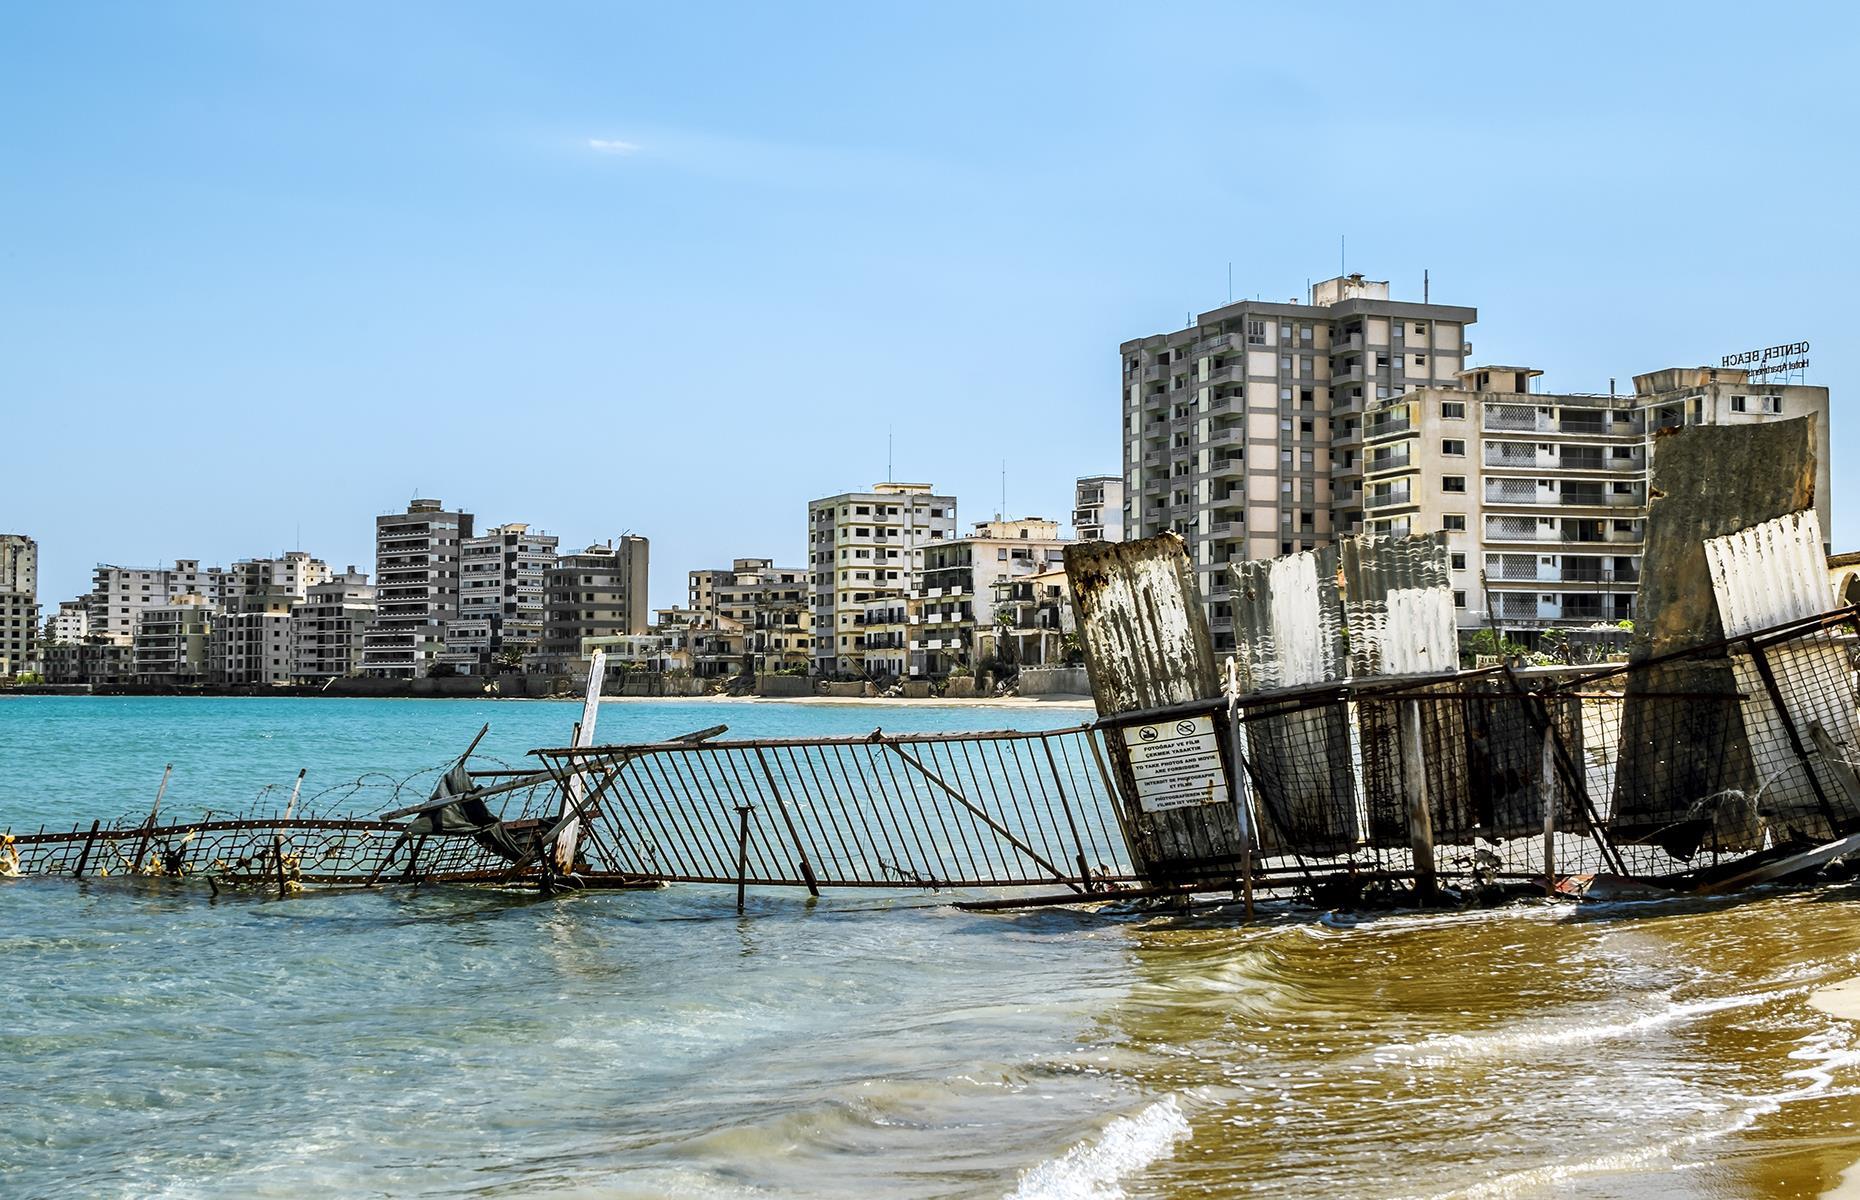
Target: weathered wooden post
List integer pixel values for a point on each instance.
(1414, 788)
(1153, 676)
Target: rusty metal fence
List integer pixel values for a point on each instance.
(995, 809)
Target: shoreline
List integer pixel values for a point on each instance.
(1068, 701)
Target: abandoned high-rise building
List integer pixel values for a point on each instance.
(1243, 432)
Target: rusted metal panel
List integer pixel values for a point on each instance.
(1772, 574)
(1398, 609)
(1687, 765)
(1398, 605)
(1769, 574)
(1147, 647)
(1288, 631)
(1288, 620)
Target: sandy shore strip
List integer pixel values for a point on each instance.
(1081, 703)
(1841, 1000)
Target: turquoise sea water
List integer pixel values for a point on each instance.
(157, 1041)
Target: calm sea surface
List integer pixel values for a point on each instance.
(155, 1041)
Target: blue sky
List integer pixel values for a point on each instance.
(266, 271)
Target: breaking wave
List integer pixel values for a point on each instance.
(1097, 1168)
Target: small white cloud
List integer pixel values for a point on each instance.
(611, 146)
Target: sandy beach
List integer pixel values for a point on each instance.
(1080, 703)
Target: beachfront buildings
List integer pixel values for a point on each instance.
(1543, 496)
(327, 627)
(1243, 432)
(1098, 508)
(19, 602)
(959, 593)
(502, 576)
(70, 624)
(766, 607)
(866, 547)
(172, 643)
(416, 588)
(119, 595)
(599, 592)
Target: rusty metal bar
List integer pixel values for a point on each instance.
(807, 870)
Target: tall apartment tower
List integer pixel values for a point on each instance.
(118, 595)
(1243, 433)
(599, 592)
(1098, 508)
(865, 547)
(502, 576)
(416, 588)
(1543, 496)
(19, 602)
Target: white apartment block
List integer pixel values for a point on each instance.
(864, 546)
(70, 625)
(961, 583)
(1543, 496)
(1098, 508)
(120, 594)
(1243, 433)
(19, 602)
(416, 588)
(502, 576)
(327, 627)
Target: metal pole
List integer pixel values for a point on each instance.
(807, 870)
(742, 850)
(84, 856)
(135, 866)
(1237, 783)
(1414, 783)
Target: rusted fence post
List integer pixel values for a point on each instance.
(1414, 786)
(90, 840)
(742, 851)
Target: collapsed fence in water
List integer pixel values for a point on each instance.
(1529, 774)
(1344, 751)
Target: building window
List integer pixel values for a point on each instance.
(1459, 599)
(1255, 333)
(1737, 404)
(1457, 561)
(1772, 404)
(1420, 360)
(1453, 410)
(1453, 446)
(1453, 483)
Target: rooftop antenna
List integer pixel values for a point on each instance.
(1424, 285)
(890, 472)
(1002, 515)
(1230, 282)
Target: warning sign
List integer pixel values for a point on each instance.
(1177, 764)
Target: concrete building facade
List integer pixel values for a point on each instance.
(862, 547)
(173, 641)
(503, 573)
(957, 595)
(416, 588)
(1543, 496)
(19, 603)
(1243, 433)
(769, 605)
(328, 625)
(599, 592)
(119, 595)
(1098, 508)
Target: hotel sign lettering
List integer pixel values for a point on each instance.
(1770, 360)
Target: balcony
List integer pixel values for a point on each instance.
(1527, 491)
(1387, 427)
(1394, 461)
(1525, 418)
(1388, 499)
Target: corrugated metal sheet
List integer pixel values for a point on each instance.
(1288, 620)
(1398, 605)
(1770, 574)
